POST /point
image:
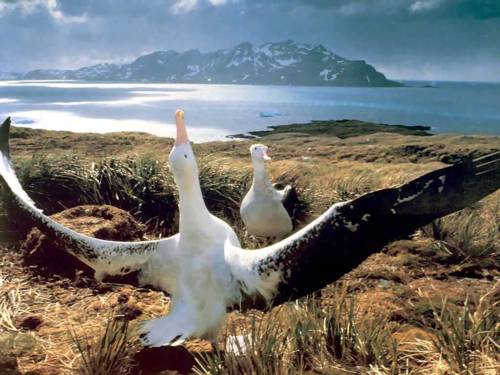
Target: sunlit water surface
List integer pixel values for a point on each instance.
(213, 111)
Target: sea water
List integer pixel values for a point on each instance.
(214, 111)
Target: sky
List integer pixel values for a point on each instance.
(404, 39)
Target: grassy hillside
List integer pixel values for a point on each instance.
(425, 305)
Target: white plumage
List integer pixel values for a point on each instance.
(262, 209)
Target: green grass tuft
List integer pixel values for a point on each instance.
(110, 354)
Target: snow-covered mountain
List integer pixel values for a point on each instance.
(283, 63)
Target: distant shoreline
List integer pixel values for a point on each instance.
(215, 111)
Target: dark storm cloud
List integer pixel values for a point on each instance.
(431, 39)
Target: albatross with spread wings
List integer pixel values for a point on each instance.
(206, 271)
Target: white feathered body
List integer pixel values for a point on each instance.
(263, 213)
(201, 285)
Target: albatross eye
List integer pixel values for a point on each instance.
(185, 155)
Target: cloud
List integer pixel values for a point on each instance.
(424, 5)
(217, 2)
(27, 7)
(55, 12)
(186, 6)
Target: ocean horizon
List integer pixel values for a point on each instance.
(214, 111)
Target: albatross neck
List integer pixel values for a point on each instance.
(193, 213)
(260, 177)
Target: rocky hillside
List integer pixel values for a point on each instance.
(284, 63)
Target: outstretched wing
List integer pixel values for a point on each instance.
(106, 257)
(348, 232)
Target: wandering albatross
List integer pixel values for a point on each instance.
(262, 209)
(206, 271)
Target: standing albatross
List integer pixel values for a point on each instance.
(206, 271)
(262, 209)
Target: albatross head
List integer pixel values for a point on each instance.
(181, 159)
(258, 153)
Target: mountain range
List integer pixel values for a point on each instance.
(282, 63)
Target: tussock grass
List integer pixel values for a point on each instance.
(223, 188)
(262, 349)
(465, 339)
(322, 182)
(358, 341)
(142, 186)
(460, 337)
(305, 336)
(468, 235)
(110, 354)
(309, 336)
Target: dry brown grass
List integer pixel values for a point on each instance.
(296, 338)
(393, 291)
(10, 302)
(66, 311)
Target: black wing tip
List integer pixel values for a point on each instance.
(489, 163)
(487, 157)
(485, 176)
(486, 164)
(4, 136)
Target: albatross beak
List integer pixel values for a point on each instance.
(181, 136)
